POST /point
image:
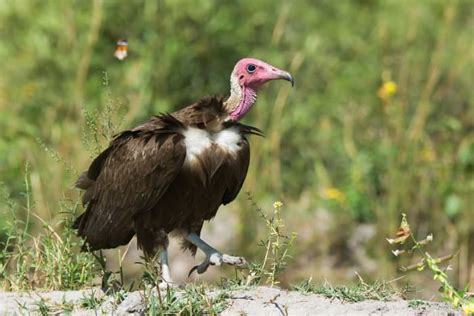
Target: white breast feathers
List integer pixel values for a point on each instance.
(228, 139)
(198, 140)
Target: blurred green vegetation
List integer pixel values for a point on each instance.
(381, 120)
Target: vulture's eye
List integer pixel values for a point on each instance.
(251, 68)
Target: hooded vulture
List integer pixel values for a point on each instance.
(171, 173)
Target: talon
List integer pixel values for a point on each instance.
(200, 268)
(192, 270)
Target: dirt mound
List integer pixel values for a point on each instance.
(253, 301)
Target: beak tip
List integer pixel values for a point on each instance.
(288, 77)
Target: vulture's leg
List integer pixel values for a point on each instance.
(213, 256)
(161, 260)
(165, 270)
(155, 247)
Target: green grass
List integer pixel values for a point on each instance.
(91, 300)
(194, 299)
(45, 308)
(416, 303)
(42, 307)
(380, 290)
(47, 259)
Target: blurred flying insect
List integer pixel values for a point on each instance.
(121, 49)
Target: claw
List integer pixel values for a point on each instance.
(201, 268)
(192, 270)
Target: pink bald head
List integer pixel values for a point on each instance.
(253, 73)
(248, 75)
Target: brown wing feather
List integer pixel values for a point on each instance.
(134, 173)
(239, 172)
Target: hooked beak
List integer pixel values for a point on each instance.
(272, 73)
(286, 76)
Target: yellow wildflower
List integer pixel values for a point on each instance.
(334, 194)
(29, 89)
(469, 309)
(387, 90)
(325, 124)
(428, 154)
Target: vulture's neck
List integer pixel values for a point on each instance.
(241, 99)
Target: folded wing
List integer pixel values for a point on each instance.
(128, 178)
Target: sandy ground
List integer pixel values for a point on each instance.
(256, 301)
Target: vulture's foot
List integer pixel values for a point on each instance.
(217, 259)
(213, 256)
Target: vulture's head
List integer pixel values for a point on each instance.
(253, 73)
(248, 76)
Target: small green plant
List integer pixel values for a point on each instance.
(379, 290)
(111, 281)
(277, 243)
(66, 307)
(91, 300)
(450, 293)
(101, 125)
(194, 299)
(42, 307)
(416, 303)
